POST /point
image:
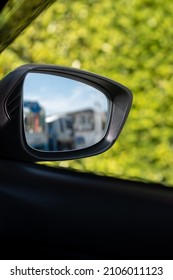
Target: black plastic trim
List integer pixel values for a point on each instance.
(11, 116)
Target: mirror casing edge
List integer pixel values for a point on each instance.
(14, 144)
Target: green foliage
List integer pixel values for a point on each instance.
(128, 41)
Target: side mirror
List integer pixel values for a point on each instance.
(58, 113)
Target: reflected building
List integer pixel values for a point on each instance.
(89, 126)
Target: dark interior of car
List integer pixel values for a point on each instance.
(49, 213)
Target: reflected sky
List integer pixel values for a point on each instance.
(58, 94)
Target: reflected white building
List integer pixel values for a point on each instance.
(89, 126)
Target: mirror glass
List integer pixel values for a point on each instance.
(61, 114)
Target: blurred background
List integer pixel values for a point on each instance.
(129, 41)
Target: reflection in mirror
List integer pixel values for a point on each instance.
(61, 114)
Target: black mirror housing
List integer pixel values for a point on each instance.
(13, 138)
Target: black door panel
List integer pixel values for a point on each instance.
(61, 214)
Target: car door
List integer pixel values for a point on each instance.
(49, 213)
